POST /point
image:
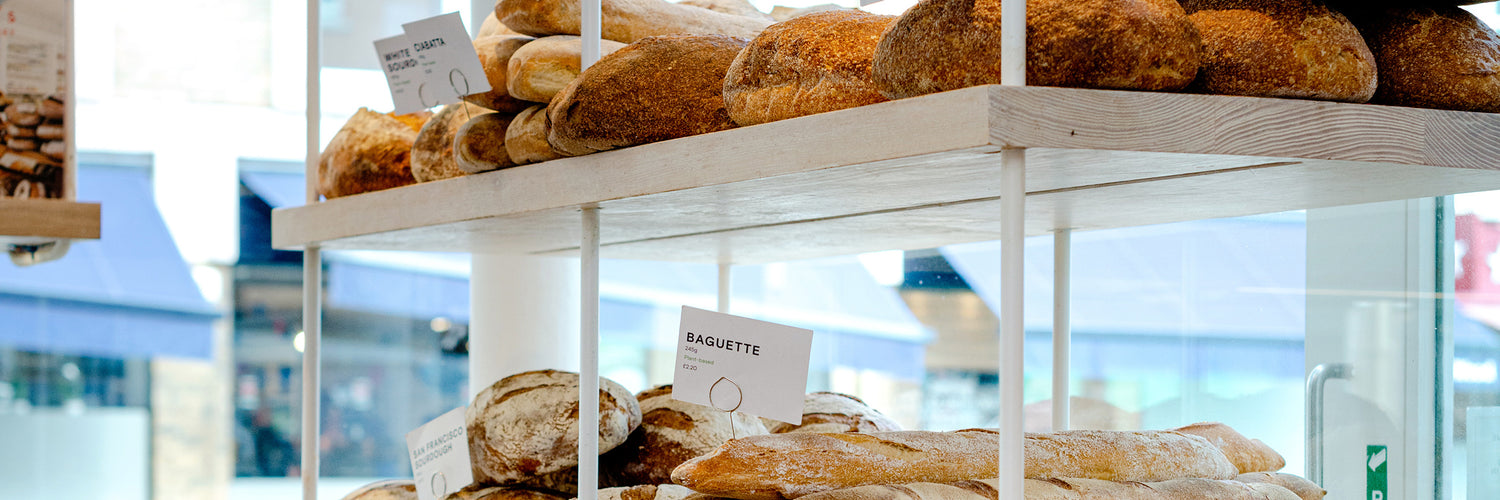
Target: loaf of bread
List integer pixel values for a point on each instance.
(781, 13)
(943, 45)
(735, 7)
(564, 482)
(371, 152)
(432, 154)
(500, 493)
(646, 492)
(625, 21)
(1066, 489)
(672, 432)
(834, 412)
(491, 26)
(526, 425)
(479, 144)
(1247, 455)
(656, 89)
(812, 64)
(540, 69)
(779, 466)
(494, 55)
(1304, 489)
(1281, 48)
(1441, 57)
(526, 138)
(394, 489)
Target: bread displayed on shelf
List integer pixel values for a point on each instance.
(500, 493)
(479, 145)
(1247, 455)
(941, 45)
(1303, 488)
(646, 492)
(394, 489)
(541, 68)
(526, 137)
(433, 155)
(1433, 57)
(1281, 48)
(1065, 489)
(370, 153)
(491, 26)
(494, 55)
(630, 97)
(812, 64)
(526, 425)
(835, 412)
(735, 7)
(672, 432)
(625, 21)
(781, 13)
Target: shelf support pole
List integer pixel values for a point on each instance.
(588, 382)
(724, 283)
(312, 269)
(1062, 328)
(1012, 328)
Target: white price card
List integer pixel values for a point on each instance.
(450, 67)
(741, 364)
(402, 73)
(440, 456)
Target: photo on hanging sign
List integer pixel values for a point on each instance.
(439, 452)
(740, 364)
(403, 74)
(34, 142)
(444, 51)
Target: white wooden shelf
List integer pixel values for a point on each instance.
(923, 172)
(26, 222)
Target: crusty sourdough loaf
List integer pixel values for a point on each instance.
(1441, 58)
(625, 20)
(1305, 489)
(943, 45)
(370, 153)
(834, 412)
(656, 89)
(1281, 48)
(1065, 489)
(811, 64)
(526, 425)
(526, 137)
(491, 26)
(394, 489)
(671, 432)
(781, 13)
(541, 68)
(779, 466)
(735, 7)
(646, 492)
(500, 493)
(479, 144)
(432, 154)
(494, 55)
(1247, 455)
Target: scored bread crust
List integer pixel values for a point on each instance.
(1442, 58)
(432, 153)
(540, 69)
(625, 21)
(526, 137)
(735, 7)
(371, 152)
(1065, 489)
(477, 492)
(526, 425)
(1303, 488)
(646, 492)
(656, 89)
(494, 55)
(1281, 48)
(672, 432)
(834, 412)
(1247, 455)
(811, 64)
(941, 45)
(480, 144)
(391, 489)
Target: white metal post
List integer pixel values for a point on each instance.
(1012, 328)
(591, 30)
(1062, 327)
(588, 359)
(312, 270)
(724, 283)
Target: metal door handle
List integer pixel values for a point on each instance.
(1315, 381)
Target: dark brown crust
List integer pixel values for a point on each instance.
(432, 154)
(625, 21)
(494, 54)
(1441, 58)
(812, 64)
(941, 45)
(370, 153)
(480, 144)
(1281, 48)
(526, 138)
(656, 89)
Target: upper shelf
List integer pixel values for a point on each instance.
(922, 172)
(27, 222)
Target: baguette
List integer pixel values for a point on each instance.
(1305, 489)
(1247, 455)
(625, 21)
(1066, 489)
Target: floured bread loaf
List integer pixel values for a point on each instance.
(1441, 58)
(672, 432)
(834, 412)
(1305, 490)
(646, 492)
(631, 97)
(1064, 489)
(1281, 48)
(432, 154)
(564, 482)
(526, 425)
(812, 64)
(395, 489)
(781, 13)
(943, 45)
(1247, 455)
(625, 20)
(526, 138)
(370, 153)
(540, 69)
(491, 26)
(494, 54)
(735, 7)
(1124, 456)
(500, 493)
(479, 144)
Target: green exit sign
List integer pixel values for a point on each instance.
(1375, 472)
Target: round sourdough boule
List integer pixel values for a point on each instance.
(834, 412)
(370, 153)
(1247, 455)
(432, 154)
(1303, 488)
(941, 45)
(500, 493)
(812, 64)
(1281, 48)
(1441, 58)
(494, 55)
(659, 88)
(393, 489)
(672, 432)
(540, 69)
(645, 492)
(479, 145)
(526, 138)
(526, 425)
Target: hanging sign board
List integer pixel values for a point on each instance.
(439, 453)
(402, 73)
(741, 364)
(450, 67)
(35, 148)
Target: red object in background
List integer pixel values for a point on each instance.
(1480, 239)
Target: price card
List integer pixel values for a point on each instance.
(740, 364)
(440, 456)
(402, 73)
(444, 51)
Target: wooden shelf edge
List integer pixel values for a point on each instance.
(33, 221)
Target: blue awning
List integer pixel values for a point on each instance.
(128, 294)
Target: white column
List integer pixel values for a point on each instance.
(724, 283)
(523, 315)
(1062, 327)
(588, 385)
(1012, 326)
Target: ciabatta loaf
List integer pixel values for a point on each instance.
(540, 69)
(625, 21)
(480, 144)
(526, 137)
(432, 154)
